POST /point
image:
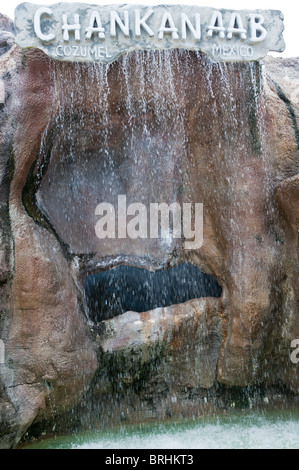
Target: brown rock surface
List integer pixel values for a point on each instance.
(185, 336)
(158, 127)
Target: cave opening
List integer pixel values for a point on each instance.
(123, 288)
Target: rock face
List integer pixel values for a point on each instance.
(157, 127)
(163, 335)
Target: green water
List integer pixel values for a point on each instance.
(250, 430)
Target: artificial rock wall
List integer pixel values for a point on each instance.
(159, 126)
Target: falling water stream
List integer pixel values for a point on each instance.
(101, 167)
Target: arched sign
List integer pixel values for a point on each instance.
(88, 33)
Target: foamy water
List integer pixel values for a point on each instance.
(249, 431)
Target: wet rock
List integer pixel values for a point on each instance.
(173, 347)
(73, 136)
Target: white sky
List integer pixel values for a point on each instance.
(290, 9)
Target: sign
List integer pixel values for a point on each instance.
(86, 33)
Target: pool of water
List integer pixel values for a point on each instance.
(250, 430)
